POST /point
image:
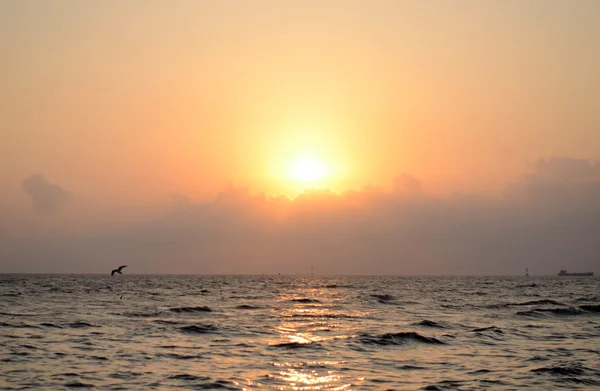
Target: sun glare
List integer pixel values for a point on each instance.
(299, 160)
(308, 169)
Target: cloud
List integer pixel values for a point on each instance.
(407, 184)
(560, 182)
(566, 169)
(46, 197)
(542, 225)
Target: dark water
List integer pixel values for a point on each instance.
(299, 333)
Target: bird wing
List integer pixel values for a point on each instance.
(113, 272)
(121, 267)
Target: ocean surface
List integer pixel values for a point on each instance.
(299, 333)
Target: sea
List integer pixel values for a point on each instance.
(136, 332)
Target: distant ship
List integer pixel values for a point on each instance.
(563, 272)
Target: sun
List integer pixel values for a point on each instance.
(301, 160)
(308, 170)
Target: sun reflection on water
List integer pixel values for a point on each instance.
(300, 378)
(309, 317)
(310, 381)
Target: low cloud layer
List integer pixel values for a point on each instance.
(562, 183)
(549, 220)
(46, 197)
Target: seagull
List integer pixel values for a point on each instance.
(117, 270)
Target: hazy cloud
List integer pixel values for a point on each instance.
(366, 231)
(561, 182)
(407, 184)
(567, 169)
(46, 197)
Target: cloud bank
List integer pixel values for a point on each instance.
(561, 183)
(46, 197)
(548, 220)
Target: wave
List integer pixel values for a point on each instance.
(80, 325)
(552, 311)
(535, 326)
(78, 384)
(67, 374)
(334, 286)
(324, 316)
(410, 367)
(178, 356)
(568, 373)
(180, 310)
(456, 306)
(188, 377)
(539, 302)
(490, 328)
(534, 285)
(56, 326)
(18, 326)
(30, 347)
(590, 298)
(384, 298)
(166, 322)
(305, 300)
(141, 314)
(526, 303)
(398, 339)
(125, 375)
(248, 307)
(479, 372)
(216, 385)
(14, 315)
(538, 358)
(590, 308)
(429, 323)
(566, 370)
(99, 358)
(446, 385)
(296, 345)
(202, 329)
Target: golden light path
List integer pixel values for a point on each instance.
(301, 323)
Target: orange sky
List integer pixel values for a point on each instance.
(123, 105)
(131, 102)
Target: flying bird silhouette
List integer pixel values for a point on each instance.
(117, 270)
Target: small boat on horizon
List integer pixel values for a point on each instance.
(564, 272)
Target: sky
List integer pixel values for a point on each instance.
(355, 137)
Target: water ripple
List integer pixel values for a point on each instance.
(298, 332)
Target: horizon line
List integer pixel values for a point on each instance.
(281, 274)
